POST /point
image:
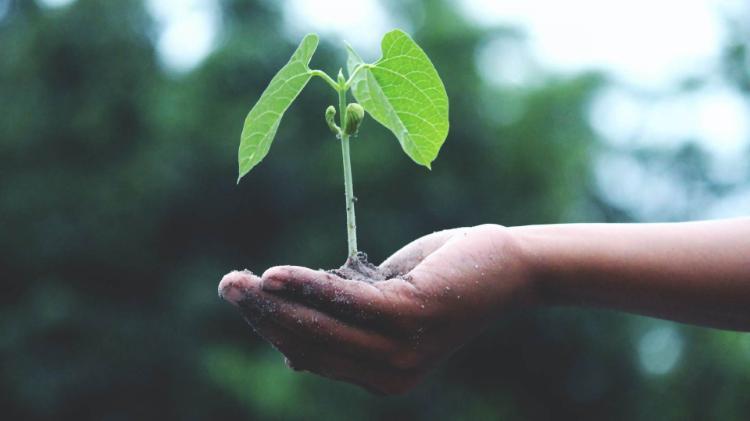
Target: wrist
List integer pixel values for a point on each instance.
(515, 275)
(535, 251)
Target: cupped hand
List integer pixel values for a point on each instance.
(385, 336)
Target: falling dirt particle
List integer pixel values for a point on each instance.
(447, 288)
(458, 296)
(422, 305)
(476, 266)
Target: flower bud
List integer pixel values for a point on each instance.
(354, 116)
(330, 114)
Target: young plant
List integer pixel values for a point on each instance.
(402, 91)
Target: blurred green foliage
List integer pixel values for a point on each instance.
(119, 214)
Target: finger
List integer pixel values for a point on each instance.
(343, 298)
(376, 378)
(243, 289)
(316, 327)
(235, 285)
(409, 256)
(324, 358)
(301, 354)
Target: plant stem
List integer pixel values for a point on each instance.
(351, 223)
(354, 73)
(321, 74)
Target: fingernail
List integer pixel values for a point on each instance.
(233, 287)
(272, 284)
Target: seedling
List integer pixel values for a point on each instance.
(402, 91)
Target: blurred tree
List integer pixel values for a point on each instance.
(119, 214)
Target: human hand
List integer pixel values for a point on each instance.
(385, 336)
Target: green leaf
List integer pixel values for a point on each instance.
(403, 92)
(264, 118)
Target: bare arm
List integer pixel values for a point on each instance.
(385, 336)
(693, 272)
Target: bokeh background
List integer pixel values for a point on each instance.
(119, 213)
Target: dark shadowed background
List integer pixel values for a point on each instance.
(119, 211)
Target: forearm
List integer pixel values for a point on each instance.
(694, 272)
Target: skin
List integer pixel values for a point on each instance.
(386, 336)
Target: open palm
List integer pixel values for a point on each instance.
(386, 335)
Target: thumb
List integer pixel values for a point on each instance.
(408, 257)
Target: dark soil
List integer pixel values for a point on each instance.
(358, 268)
